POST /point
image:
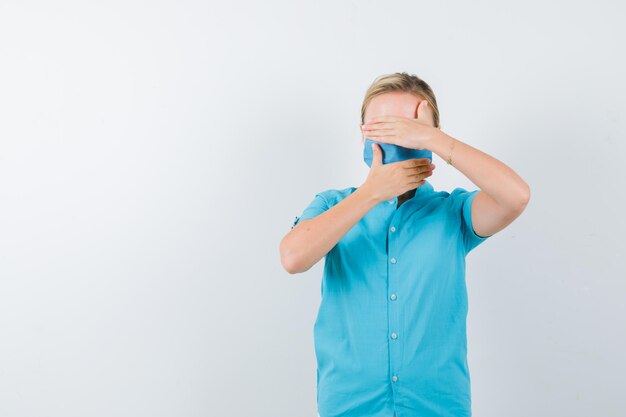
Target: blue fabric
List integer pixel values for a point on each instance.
(393, 153)
(378, 319)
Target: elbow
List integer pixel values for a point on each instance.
(521, 201)
(290, 266)
(524, 197)
(288, 260)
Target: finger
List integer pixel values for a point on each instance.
(379, 119)
(421, 170)
(421, 175)
(415, 162)
(415, 184)
(377, 155)
(421, 160)
(424, 168)
(381, 139)
(380, 133)
(367, 127)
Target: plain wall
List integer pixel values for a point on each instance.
(153, 154)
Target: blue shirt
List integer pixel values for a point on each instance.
(390, 333)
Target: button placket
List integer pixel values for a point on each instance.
(393, 281)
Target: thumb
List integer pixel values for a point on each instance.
(377, 155)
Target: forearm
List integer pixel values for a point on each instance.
(493, 177)
(311, 239)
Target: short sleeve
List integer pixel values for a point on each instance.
(317, 206)
(464, 209)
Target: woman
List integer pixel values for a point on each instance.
(390, 334)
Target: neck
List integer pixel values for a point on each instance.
(409, 193)
(406, 196)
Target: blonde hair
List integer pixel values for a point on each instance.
(401, 81)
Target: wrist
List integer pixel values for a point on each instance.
(441, 144)
(367, 194)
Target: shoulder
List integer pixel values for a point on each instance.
(333, 196)
(462, 196)
(455, 197)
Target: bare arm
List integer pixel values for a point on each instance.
(311, 239)
(503, 196)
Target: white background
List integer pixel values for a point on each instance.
(153, 154)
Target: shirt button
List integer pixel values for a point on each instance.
(391, 201)
(394, 378)
(393, 297)
(393, 228)
(393, 260)
(394, 336)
